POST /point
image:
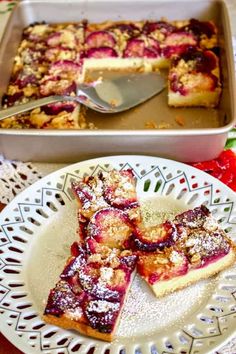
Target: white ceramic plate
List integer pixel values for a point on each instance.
(37, 228)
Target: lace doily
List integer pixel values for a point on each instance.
(15, 176)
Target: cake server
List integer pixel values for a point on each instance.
(103, 95)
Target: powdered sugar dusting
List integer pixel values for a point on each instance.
(144, 314)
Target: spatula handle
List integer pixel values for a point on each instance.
(24, 107)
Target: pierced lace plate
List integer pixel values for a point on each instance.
(37, 228)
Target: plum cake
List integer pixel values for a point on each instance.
(195, 247)
(114, 241)
(91, 291)
(95, 281)
(53, 58)
(194, 79)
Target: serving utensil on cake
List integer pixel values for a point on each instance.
(103, 95)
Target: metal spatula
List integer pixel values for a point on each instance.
(104, 95)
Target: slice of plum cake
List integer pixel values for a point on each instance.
(195, 248)
(91, 292)
(194, 79)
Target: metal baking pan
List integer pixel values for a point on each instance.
(201, 137)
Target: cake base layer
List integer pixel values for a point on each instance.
(162, 288)
(197, 99)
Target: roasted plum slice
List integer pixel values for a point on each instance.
(205, 246)
(102, 52)
(89, 195)
(204, 61)
(194, 218)
(36, 32)
(193, 71)
(96, 284)
(92, 275)
(191, 82)
(200, 27)
(136, 48)
(56, 108)
(24, 79)
(59, 53)
(57, 86)
(63, 300)
(161, 26)
(9, 100)
(102, 315)
(128, 28)
(152, 238)
(100, 39)
(110, 227)
(177, 43)
(161, 266)
(65, 69)
(119, 188)
(64, 38)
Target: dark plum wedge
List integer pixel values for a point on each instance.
(209, 83)
(100, 39)
(56, 108)
(204, 61)
(24, 79)
(128, 28)
(119, 188)
(100, 53)
(110, 227)
(54, 54)
(194, 218)
(194, 70)
(177, 43)
(150, 239)
(136, 48)
(10, 100)
(64, 38)
(65, 69)
(205, 246)
(102, 315)
(62, 300)
(164, 27)
(164, 265)
(200, 28)
(89, 195)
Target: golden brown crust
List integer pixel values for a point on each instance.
(83, 328)
(107, 24)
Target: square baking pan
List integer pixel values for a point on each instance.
(203, 133)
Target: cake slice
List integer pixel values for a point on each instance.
(198, 249)
(47, 63)
(116, 189)
(194, 79)
(91, 292)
